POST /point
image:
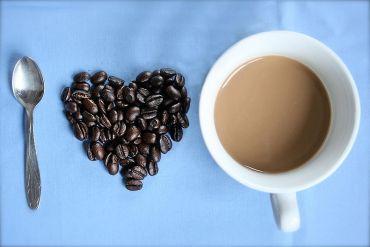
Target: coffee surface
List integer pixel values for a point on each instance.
(272, 114)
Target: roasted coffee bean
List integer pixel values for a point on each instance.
(119, 128)
(156, 90)
(89, 153)
(167, 72)
(132, 113)
(186, 105)
(133, 184)
(172, 92)
(66, 94)
(81, 77)
(101, 106)
(148, 113)
(133, 151)
(135, 172)
(155, 154)
(115, 81)
(140, 98)
(140, 160)
(80, 130)
(132, 133)
(79, 95)
(179, 80)
(90, 106)
(137, 141)
(108, 134)
(149, 137)
(113, 116)
(71, 107)
(133, 86)
(124, 163)
(156, 81)
(95, 134)
(97, 90)
(122, 151)
(77, 116)
(111, 162)
(172, 120)
(108, 94)
(154, 100)
(164, 117)
(143, 77)
(182, 120)
(144, 149)
(81, 86)
(143, 91)
(175, 108)
(141, 123)
(165, 143)
(104, 121)
(70, 117)
(121, 104)
(90, 124)
(129, 95)
(156, 72)
(120, 115)
(111, 106)
(102, 137)
(152, 168)
(154, 124)
(119, 93)
(168, 102)
(123, 141)
(99, 77)
(162, 129)
(184, 92)
(97, 150)
(88, 117)
(176, 133)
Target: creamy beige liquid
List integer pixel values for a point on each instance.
(272, 114)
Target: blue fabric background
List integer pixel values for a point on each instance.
(191, 201)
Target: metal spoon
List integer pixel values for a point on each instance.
(28, 89)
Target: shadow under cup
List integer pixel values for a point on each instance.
(343, 95)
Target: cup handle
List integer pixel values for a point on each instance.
(286, 211)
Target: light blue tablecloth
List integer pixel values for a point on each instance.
(191, 201)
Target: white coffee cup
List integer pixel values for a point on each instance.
(345, 106)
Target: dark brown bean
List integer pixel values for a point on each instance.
(176, 133)
(120, 115)
(156, 81)
(141, 123)
(111, 106)
(115, 81)
(186, 105)
(99, 77)
(119, 128)
(144, 149)
(154, 124)
(104, 121)
(81, 77)
(89, 153)
(149, 137)
(108, 94)
(143, 77)
(133, 184)
(122, 151)
(156, 72)
(140, 98)
(103, 139)
(70, 117)
(88, 117)
(133, 150)
(165, 143)
(172, 92)
(162, 130)
(119, 93)
(184, 92)
(90, 124)
(109, 147)
(154, 100)
(129, 95)
(179, 80)
(137, 141)
(172, 120)
(132, 133)
(152, 168)
(182, 120)
(78, 116)
(155, 154)
(79, 95)
(148, 113)
(101, 106)
(71, 107)
(174, 108)
(164, 117)
(140, 160)
(80, 130)
(133, 86)
(97, 150)
(113, 116)
(132, 113)
(81, 86)
(167, 72)
(97, 90)
(90, 106)
(135, 172)
(143, 91)
(95, 134)
(66, 94)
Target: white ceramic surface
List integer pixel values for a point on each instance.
(345, 120)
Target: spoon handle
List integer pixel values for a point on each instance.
(33, 183)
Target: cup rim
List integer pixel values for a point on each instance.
(304, 184)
